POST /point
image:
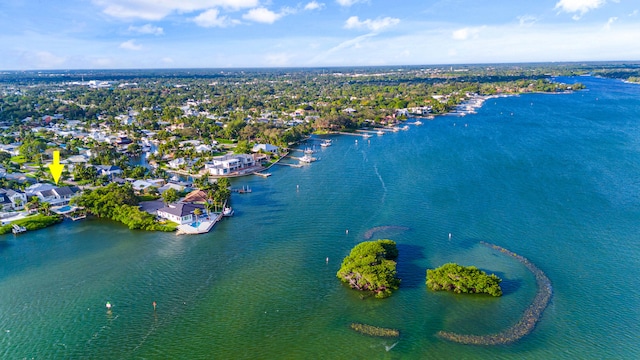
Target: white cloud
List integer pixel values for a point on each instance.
(610, 22)
(373, 25)
(146, 29)
(351, 43)
(349, 2)
(466, 33)
(103, 62)
(634, 13)
(579, 6)
(279, 59)
(263, 15)
(314, 5)
(159, 9)
(45, 59)
(527, 20)
(130, 45)
(212, 18)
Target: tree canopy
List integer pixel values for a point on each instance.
(371, 267)
(119, 203)
(463, 279)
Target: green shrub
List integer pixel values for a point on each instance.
(371, 267)
(463, 279)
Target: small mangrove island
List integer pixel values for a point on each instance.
(529, 318)
(371, 267)
(463, 279)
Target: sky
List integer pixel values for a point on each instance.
(133, 34)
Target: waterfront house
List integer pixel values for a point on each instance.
(196, 197)
(177, 163)
(229, 164)
(12, 200)
(52, 194)
(180, 213)
(5, 203)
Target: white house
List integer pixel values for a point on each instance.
(266, 148)
(177, 163)
(52, 194)
(203, 148)
(180, 213)
(228, 164)
(12, 200)
(108, 170)
(141, 185)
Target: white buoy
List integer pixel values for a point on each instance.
(347, 231)
(108, 305)
(449, 236)
(327, 259)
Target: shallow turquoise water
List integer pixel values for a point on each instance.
(551, 177)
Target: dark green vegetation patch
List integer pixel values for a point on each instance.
(463, 279)
(371, 267)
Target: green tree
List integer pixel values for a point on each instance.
(170, 196)
(371, 266)
(463, 279)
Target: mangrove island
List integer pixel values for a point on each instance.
(371, 267)
(463, 279)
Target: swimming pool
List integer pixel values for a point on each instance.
(65, 208)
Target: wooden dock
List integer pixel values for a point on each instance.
(264, 175)
(242, 190)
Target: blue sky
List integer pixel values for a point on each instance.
(113, 34)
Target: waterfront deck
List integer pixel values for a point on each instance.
(203, 225)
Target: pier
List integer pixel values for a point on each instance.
(292, 165)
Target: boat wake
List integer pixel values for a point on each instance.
(384, 187)
(389, 347)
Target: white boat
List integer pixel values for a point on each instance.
(307, 159)
(405, 128)
(380, 132)
(418, 122)
(326, 143)
(366, 136)
(308, 151)
(227, 211)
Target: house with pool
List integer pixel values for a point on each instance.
(181, 213)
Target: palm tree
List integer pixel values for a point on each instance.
(34, 203)
(197, 212)
(46, 208)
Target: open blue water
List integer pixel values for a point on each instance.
(554, 178)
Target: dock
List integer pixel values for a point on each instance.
(242, 190)
(264, 175)
(292, 165)
(17, 229)
(202, 228)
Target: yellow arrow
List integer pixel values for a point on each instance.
(56, 167)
